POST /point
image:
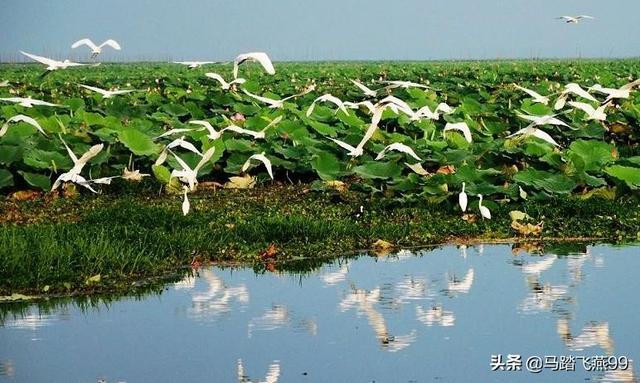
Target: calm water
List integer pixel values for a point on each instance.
(436, 315)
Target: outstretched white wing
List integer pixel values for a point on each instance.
(43, 60)
(112, 43)
(86, 42)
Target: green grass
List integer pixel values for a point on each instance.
(129, 238)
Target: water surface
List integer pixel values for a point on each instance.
(436, 315)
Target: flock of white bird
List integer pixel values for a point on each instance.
(188, 175)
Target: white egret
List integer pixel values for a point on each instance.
(463, 199)
(404, 85)
(180, 142)
(358, 150)
(531, 130)
(189, 175)
(21, 118)
(460, 126)
(395, 104)
(576, 90)
(107, 93)
(256, 135)
(273, 103)
(399, 147)
(591, 112)
(535, 96)
(327, 98)
(96, 49)
(195, 64)
(176, 131)
(186, 206)
(613, 93)
(223, 84)
(366, 90)
(543, 120)
(260, 57)
(28, 102)
(73, 175)
(484, 211)
(50, 63)
(213, 133)
(262, 158)
(574, 19)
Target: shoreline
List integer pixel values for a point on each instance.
(66, 243)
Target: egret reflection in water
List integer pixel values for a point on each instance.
(418, 308)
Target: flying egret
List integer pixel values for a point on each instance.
(591, 112)
(531, 130)
(28, 102)
(543, 120)
(535, 96)
(484, 211)
(262, 158)
(613, 93)
(180, 142)
(107, 93)
(462, 127)
(189, 175)
(404, 85)
(223, 84)
(399, 147)
(73, 175)
(395, 104)
(576, 90)
(327, 98)
(213, 133)
(260, 57)
(462, 199)
(21, 118)
(180, 130)
(366, 90)
(253, 133)
(96, 49)
(574, 19)
(50, 63)
(274, 103)
(358, 150)
(195, 64)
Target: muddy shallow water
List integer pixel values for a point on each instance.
(449, 314)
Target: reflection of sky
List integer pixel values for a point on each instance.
(395, 318)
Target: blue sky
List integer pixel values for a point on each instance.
(322, 30)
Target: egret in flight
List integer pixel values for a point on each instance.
(96, 49)
(28, 102)
(195, 64)
(50, 63)
(259, 57)
(107, 93)
(223, 84)
(21, 118)
(575, 19)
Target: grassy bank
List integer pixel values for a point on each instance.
(63, 245)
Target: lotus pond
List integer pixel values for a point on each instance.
(584, 185)
(437, 314)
